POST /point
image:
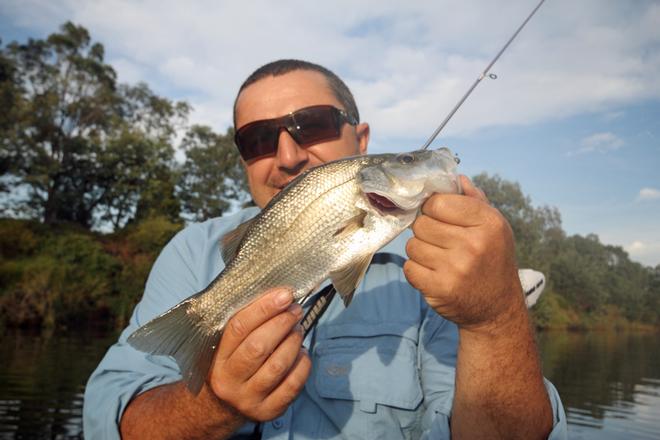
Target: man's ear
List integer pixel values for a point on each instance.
(362, 133)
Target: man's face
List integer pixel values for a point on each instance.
(272, 97)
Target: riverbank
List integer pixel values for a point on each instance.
(63, 276)
(553, 313)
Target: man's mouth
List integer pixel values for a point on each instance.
(381, 203)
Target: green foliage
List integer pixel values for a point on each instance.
(537, 230)
(553, 311)
(56, 275)
(62, 275)
(82, 147)
(78, 149)
(585, 277)
(136, 247)
(212, 174)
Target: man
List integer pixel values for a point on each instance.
(389, 366)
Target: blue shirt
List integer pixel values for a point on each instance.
(382, 368)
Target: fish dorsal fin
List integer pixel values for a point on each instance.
(231, 241)
(347, 279)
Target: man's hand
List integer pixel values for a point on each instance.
(260, 367)
(462, 259)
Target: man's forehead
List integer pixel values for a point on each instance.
(275, 96)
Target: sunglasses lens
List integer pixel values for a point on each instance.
(307, 126)
(256, 140)
(314, 125)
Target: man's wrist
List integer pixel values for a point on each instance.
(506, 325)
(226, 416)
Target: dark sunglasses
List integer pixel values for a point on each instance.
(307, 126)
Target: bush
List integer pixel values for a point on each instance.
(62, 275)
(137, 248)
(55, 276)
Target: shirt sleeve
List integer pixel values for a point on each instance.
(125, 371)
(437, 359)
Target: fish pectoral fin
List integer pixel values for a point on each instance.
(231, 241)
(351, 225)
(347, 279)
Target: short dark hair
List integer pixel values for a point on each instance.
(281, 67)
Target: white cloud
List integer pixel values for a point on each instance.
(646, 252)
(648, 194)
(598, 143)
(408, 63)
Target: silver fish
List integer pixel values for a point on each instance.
(328, 223)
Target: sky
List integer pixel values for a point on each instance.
(573, 116)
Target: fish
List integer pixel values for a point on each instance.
(327, 223)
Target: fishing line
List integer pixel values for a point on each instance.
(482, 76)
(322, 301)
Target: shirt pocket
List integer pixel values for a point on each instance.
(369, 366)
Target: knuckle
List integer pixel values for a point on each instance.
(285, 319)
(421, 224)
(255, 349)
(264, 309)
(238, 327)
(270, 413)
(479, 247)
(433, 205)
(416, 228)
(408, 270)
(410, 247)
(291, 389)
(277, 368)
(463, 271)
(471, 248)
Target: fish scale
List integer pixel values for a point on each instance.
(322, 225)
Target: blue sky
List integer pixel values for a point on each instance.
(574, 115)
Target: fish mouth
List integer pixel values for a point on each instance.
(382, 203)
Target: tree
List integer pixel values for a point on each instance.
(212, 175)
(537, 230)
(82, 147)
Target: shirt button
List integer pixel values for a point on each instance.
(277, 424)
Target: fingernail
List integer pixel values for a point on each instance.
(283, 298)
(296, 310)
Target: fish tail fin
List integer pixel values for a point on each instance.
(180, 333)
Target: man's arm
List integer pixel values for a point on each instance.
(258, 370)
(462, 260)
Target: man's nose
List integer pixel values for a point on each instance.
(290, 156)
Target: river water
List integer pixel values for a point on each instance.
(609, 382)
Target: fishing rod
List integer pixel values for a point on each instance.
(324, 297)
(482, 76)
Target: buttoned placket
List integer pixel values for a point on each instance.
(280, 428)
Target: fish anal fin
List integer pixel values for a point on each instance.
(181, 334)
(231, 241)
(348, 278)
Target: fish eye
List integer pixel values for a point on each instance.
(406, 158)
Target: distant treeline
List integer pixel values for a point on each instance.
(81, 153)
